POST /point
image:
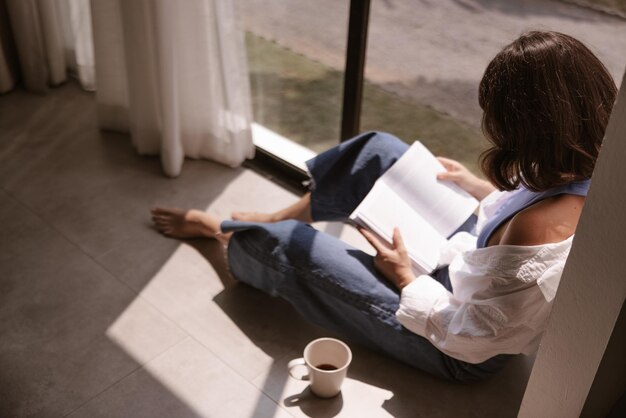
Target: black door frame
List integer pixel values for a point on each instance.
(288, 174)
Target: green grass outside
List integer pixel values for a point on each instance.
(301, 99)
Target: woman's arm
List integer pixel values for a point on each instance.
(508, 321)
(393, 261)
(503, 315)
(458, 173)
(500, 302)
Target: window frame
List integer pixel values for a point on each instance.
(290, 172)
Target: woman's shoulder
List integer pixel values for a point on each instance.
(551, 220)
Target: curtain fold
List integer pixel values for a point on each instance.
(171, 73)
(174, 75)
(8, 55)
(78, 35)
(36, 47)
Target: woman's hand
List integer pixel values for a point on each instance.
(392, 262)
(458, 173)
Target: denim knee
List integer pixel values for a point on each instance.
(343, 175)
(257, 253)
(252, 258)
(384, 143)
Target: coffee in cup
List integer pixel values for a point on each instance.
(327, 361)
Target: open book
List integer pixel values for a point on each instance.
(410, 197)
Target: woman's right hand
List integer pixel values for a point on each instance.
(458, 173)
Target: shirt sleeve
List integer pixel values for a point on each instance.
(456, 245)
(477, 330)
(417, 303)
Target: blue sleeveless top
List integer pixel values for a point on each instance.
(521, 199)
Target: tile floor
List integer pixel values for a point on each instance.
(101, 316)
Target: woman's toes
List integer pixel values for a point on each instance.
(178, 223)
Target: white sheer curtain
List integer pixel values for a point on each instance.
(174, 74)
(41, 40)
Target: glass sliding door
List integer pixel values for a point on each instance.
(296, 57)
(424, 61)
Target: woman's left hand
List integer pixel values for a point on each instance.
(392, 262)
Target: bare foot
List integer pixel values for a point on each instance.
(180, 223)
(254, 217)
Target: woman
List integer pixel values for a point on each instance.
(546, 100)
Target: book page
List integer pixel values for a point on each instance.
(384, 209)
(442, 203)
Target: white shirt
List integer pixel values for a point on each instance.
(502, 295)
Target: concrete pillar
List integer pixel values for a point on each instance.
(592, 289)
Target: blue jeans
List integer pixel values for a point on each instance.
(331, 283)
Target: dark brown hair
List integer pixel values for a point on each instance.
(546, 100)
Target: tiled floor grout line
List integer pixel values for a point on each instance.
(227, 364)
(95, 260)
(178, 326)
(138, 295)
(139, 367)
(191, 336)
(117, 279)
(262, 390)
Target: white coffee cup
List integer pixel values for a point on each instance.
(327, 361)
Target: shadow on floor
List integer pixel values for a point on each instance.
(261, 318)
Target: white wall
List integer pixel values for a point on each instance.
(592, 289)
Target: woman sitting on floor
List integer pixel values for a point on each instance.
(546, 100)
